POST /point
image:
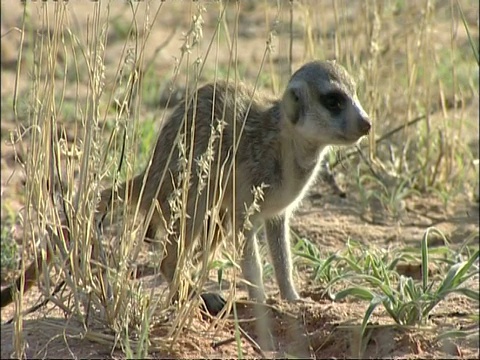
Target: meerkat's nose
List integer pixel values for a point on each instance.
(365, 125)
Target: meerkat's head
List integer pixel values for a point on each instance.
(321, 103)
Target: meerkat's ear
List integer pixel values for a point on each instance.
(295, 100)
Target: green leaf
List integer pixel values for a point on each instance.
(359, 292)
(377, 300)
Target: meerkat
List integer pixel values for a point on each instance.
(276, 144)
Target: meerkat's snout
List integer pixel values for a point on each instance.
(364, 124)
(351, 124)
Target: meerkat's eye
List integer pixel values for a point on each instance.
(334, 101)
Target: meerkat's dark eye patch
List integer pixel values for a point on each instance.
(334, 101)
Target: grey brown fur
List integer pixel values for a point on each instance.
(282, 144)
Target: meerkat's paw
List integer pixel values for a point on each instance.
(291, 296)
(213, 303)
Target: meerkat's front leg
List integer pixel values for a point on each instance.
(278, 237)
(252, 266)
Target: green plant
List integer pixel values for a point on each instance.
(407, 302)
(9, 253)
(307, 254)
